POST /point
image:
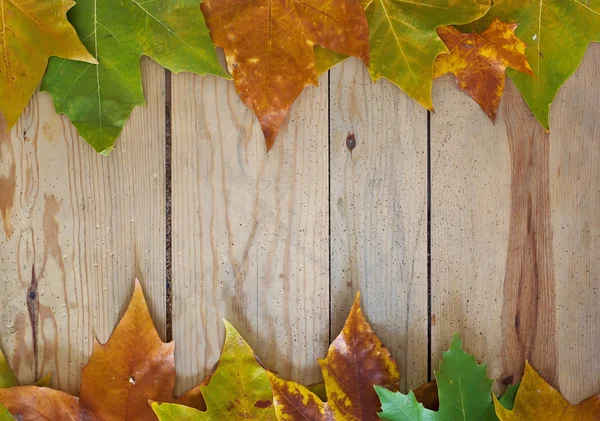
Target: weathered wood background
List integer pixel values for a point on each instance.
(444, 222)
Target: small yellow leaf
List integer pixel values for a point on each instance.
(538, 401)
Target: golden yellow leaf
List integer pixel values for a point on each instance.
(536, 400)
(32, 32)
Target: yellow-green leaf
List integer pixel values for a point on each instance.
(32, 32)
(98, 99)
(7, 376)
(238, 390)
(557, 33)
(537, 400)
(404, 42)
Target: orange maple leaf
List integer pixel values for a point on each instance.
(479, 61)
(133, 367)
(269, 45)
(356, 361)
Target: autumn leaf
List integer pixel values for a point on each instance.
(32, 32)
(479, 61)
(427, 394)
(557, 33)
(464, 390)
(404, 42)
(269, 47)
(537, 400)
(133, 367)
(355, 362)
(238, 389)
(98, 99)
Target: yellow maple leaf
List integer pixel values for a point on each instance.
(32, 32)
(537, 400)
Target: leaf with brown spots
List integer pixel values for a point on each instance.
(133, 367)
(269, 47)
(356, 361)
(479, 61)
(238, 390)
(537, 400)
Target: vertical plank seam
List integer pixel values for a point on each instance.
(329, 198)
(168, 211)
(429, 327)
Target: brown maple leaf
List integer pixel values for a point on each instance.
(479, 61)
(356, 361)
(269, 45)
(133, 367)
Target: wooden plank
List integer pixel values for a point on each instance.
(77, 229)
(250, 231)
(575, 203)
(515, 233)
(379, 213)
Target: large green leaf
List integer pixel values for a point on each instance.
(404, 42)
(464, 392)
(99, 98)
(239, 388)
(557, 33)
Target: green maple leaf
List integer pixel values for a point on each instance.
(239, 388)
(99, 98)
(404, 42)
(464, 392)
(557, 33)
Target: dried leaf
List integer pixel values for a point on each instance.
(537, 400)
(404, 42)
(133, 367)
(98, 99)
(557, 33)
(479, 61)
(32, 32)
(269, 47)
(239, 388)
(355, 362)
(427, 394)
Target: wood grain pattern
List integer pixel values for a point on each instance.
(379, 213)
(250, 231)
(505, 218)
(78, 228)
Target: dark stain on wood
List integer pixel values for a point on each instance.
(33, 306)
(529, 310)
(8, 181)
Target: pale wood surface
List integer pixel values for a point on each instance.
(278, 244)
(250, 231)
(515, 228)
(379, 213)
(87, 225)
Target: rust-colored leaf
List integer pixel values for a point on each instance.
(269, 47)
(427, 394)
(537, 400)
(479, 61)
(356, 361)
(133, 367)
